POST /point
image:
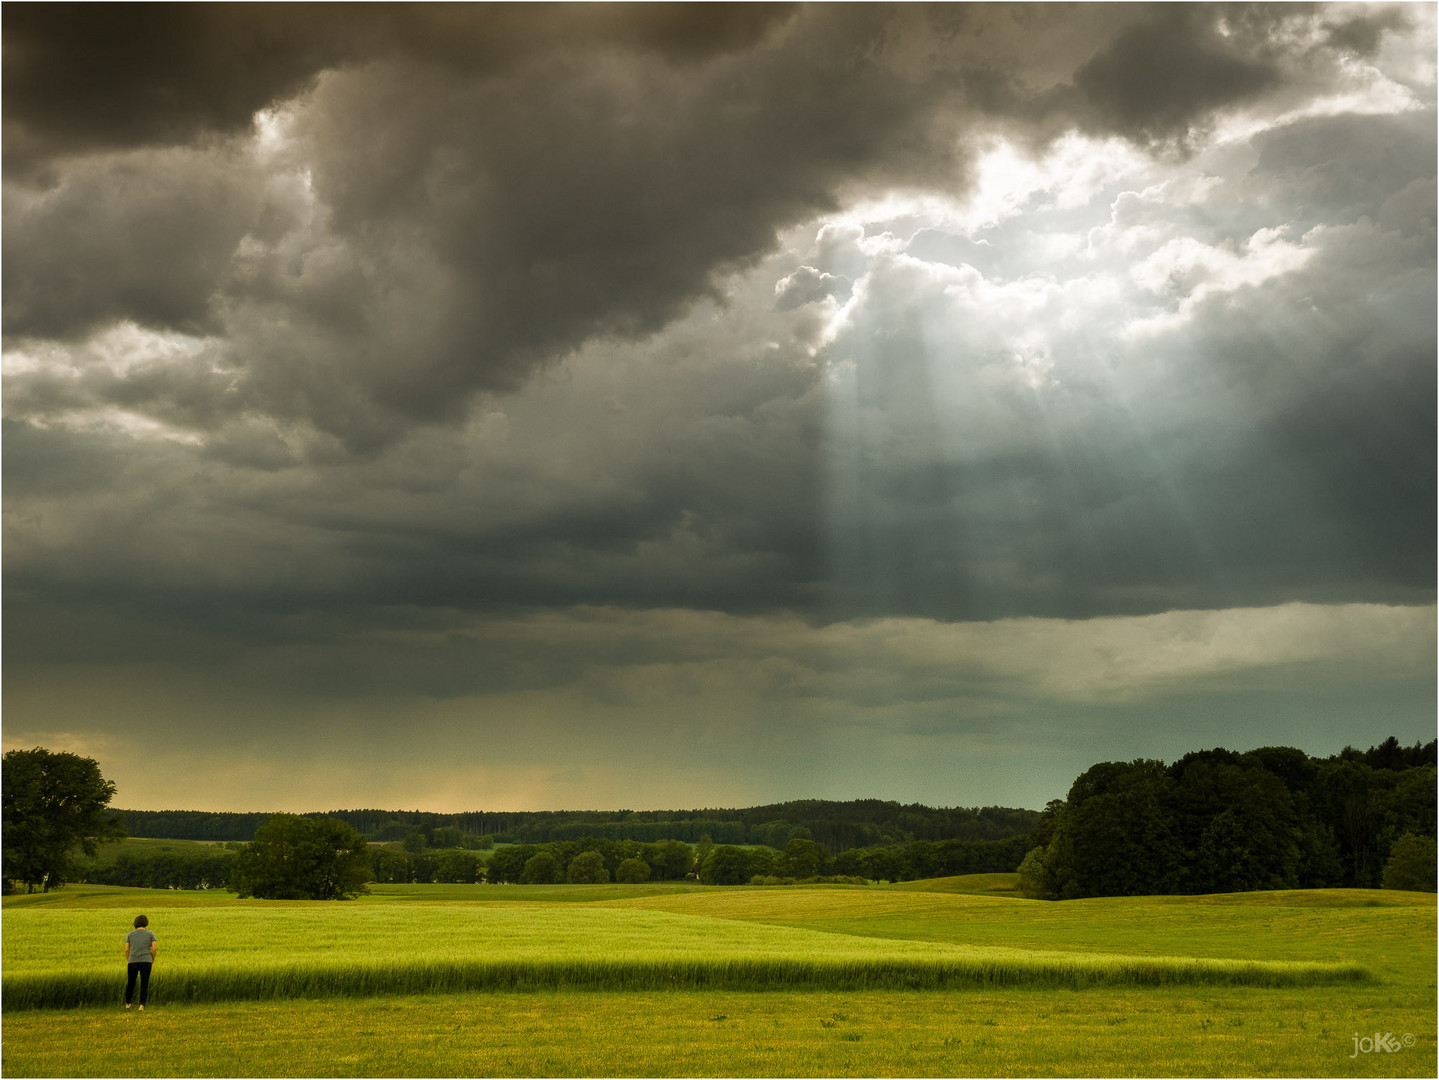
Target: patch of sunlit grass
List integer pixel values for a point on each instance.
(69, 957)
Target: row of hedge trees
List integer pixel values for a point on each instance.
(287, 836)
(922, 859)
(573, 862)
(162, 870)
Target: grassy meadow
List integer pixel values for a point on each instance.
(950, 977)
(149, 846)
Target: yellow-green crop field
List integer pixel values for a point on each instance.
(953, 977)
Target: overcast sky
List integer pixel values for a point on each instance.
(517, 407)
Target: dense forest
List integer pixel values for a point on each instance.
(1220, 821)
(1213, 821)
(838, 826)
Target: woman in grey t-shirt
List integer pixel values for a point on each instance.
(141, 945)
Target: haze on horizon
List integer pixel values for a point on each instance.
(468, 407)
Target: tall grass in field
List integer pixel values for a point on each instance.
(64, 958)
(189, 983)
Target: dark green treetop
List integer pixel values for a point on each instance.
(53, 804)
(541, 869)
(302, 858)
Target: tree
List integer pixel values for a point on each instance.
(1405, 804)
(1236, 824)
(541, 869)
(302, 858)
(726, 865)
(450, 836)
(587, 868)
(387, 867)
(703, 847)
(765, 862)
(1411, 864)
(1343, 793)
(456, 867)
(422, 869)
(803, 859)
(53, 804)
(1114, 836)
(1034, 876)
(632, 871)
(670, 860)
(508, 863)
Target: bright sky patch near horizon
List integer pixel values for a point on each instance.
(534, 407)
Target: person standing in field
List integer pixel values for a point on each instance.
(141, 946)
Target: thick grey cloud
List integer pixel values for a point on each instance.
(146, 237)
(738, 369)
(461, 194)
(85, 77)
(1156, 78)
(414, 229)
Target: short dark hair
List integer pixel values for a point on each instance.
(140, 921)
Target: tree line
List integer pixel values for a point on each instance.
(1213, 821)
(837, 825)
(592, 861)
(1220, 821)
(929, 859)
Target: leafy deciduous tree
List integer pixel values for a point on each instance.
(726, 865)
(803, 859)
(632, 871)
(1411, 864)
(670, 860)
(456, 867)
(1034, 875)
(53, 803)
(541, 869)
(587, 868)
(1114, 836)
(507, 863)
(388, 867)
(302, 858)
(1235, 823)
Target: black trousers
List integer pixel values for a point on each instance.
(142, 970)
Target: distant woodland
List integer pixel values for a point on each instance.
(1213, 821)
(837, 826)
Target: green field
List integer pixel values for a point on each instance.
(957, 976)
(145, 847)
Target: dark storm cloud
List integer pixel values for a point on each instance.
(840, 395)
(83, 77)
(146, 237)
(473, 227)
(1156, 78)
(693, 486)
(1364, 33)
(457, 206)
(488, 187)
(1164, 77)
